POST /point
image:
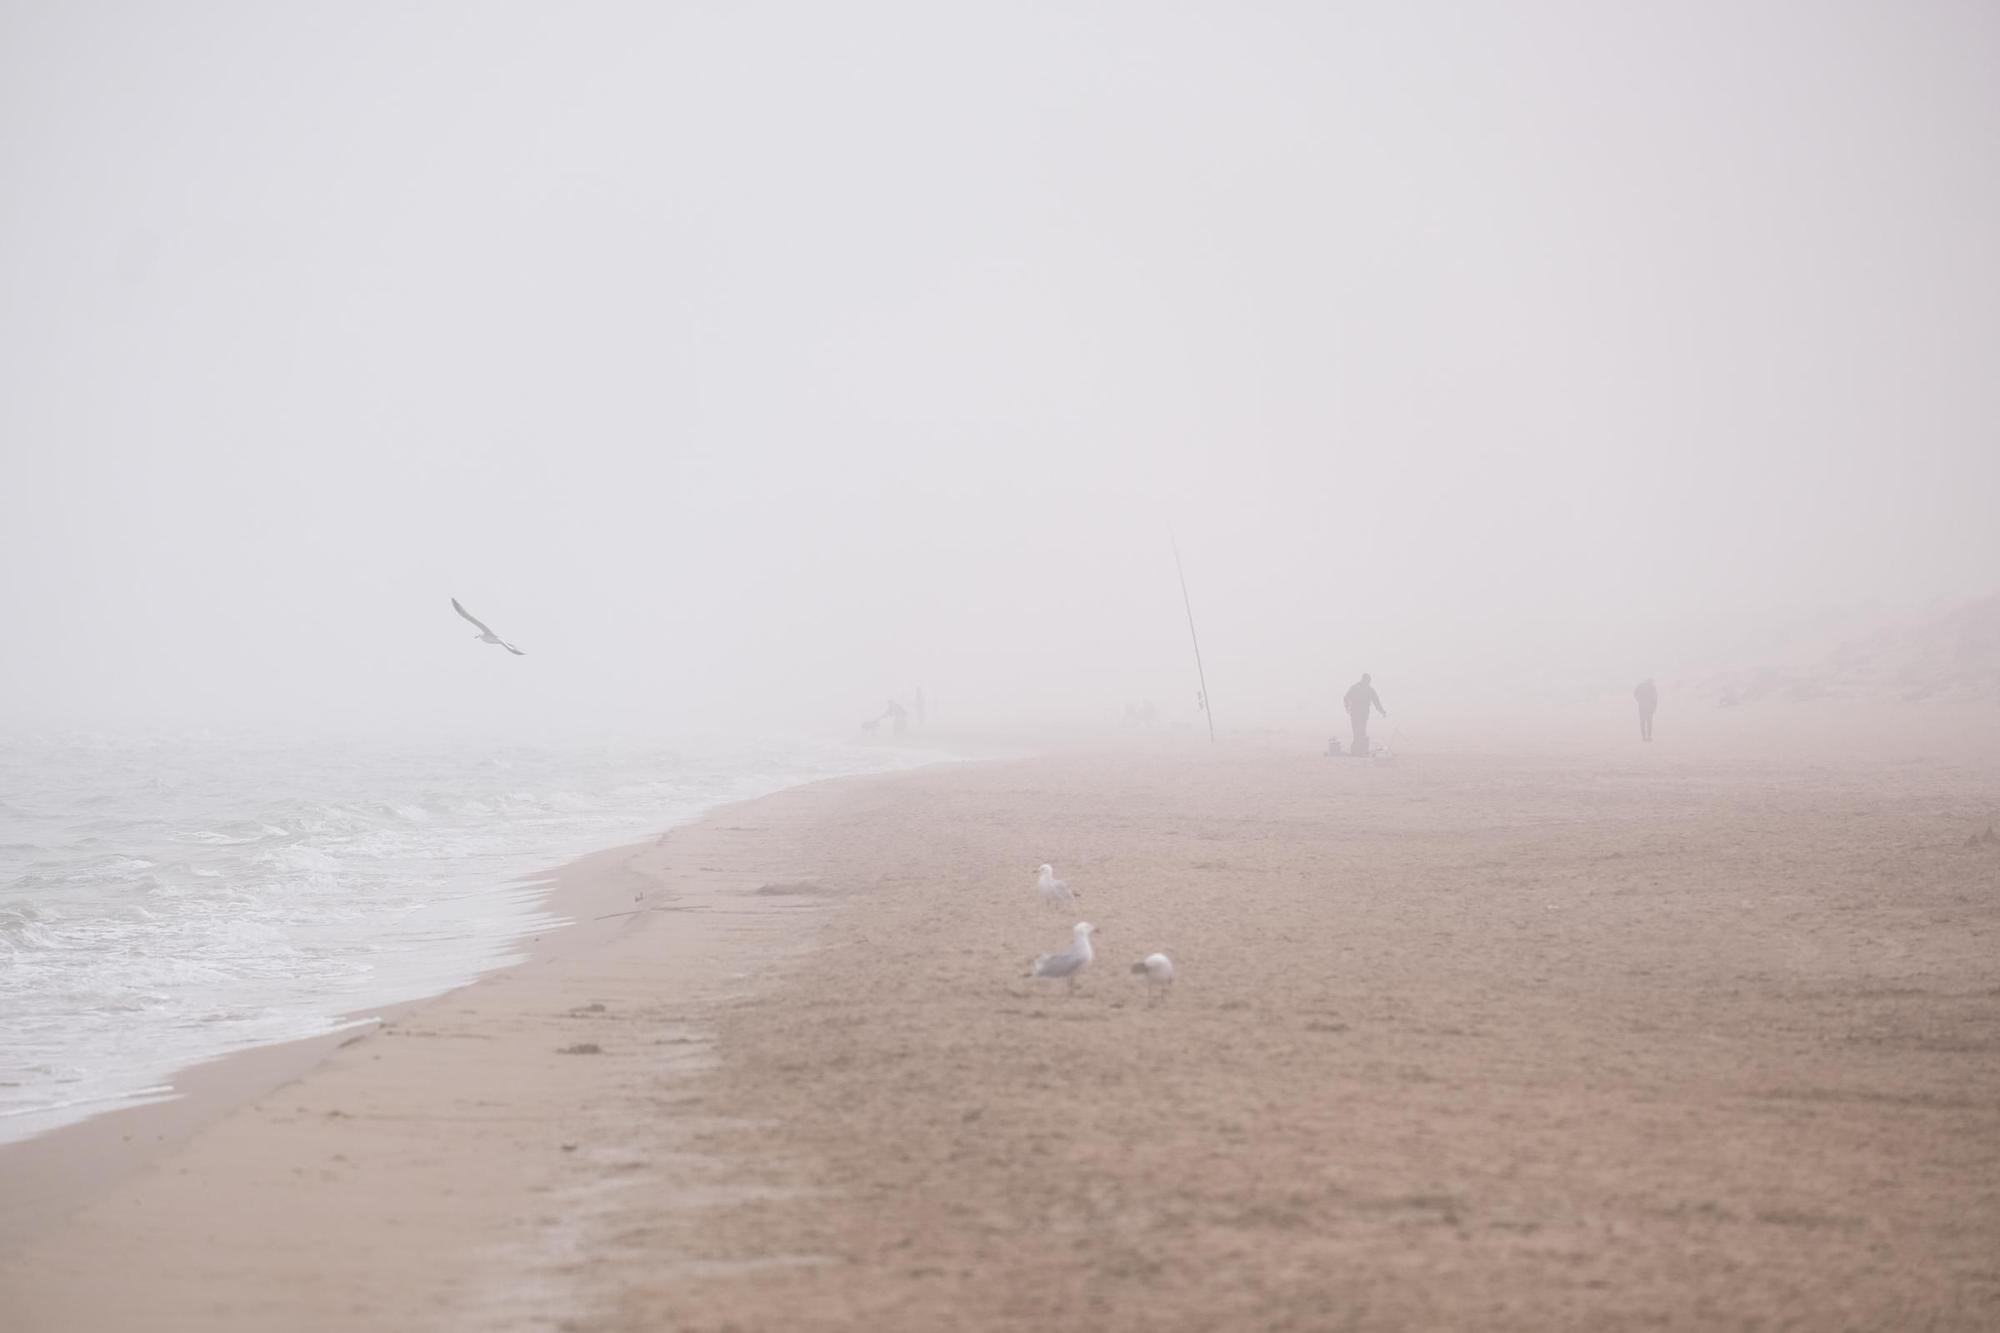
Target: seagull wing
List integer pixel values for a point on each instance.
(512, 649)
(1059, 964)
(469, 616)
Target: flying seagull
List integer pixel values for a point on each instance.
(485, 635)
(1071, 960)
(1055, 892)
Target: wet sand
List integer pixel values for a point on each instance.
(1566, 1036)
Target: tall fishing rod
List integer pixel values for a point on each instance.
(1207, 712)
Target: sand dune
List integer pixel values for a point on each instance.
(1953, 657)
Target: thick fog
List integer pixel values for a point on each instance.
(749, 364)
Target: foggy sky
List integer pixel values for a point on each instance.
(749, 363)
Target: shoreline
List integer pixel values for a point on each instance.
(448, 884)
(50, 1175)
(458, 1115)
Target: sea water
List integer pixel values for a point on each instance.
(164, 900)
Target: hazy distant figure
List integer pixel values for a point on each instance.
(485, 635)
(1142, 714)
(898, 716)
(1648, 695)
(1360, 697)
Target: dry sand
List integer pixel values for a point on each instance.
(1570, 1038)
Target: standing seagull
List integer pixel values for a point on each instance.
(1069, 962)
(1158, 970)
(1055, 892)
(485, 635)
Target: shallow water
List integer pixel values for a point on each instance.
(166, 900)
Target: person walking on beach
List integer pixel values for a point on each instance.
(1360, 697)
(1648, 695)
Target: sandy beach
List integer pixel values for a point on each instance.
(1567, 1036)
(565, 568)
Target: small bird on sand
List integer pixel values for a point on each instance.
(1158, 970)
(485, 635)
(1072, 960)
(1055, 892)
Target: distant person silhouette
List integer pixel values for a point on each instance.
(898, 716)
(1648, 695)
(1360, 697)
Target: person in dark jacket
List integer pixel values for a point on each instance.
(1359, 698)
(1648, 695)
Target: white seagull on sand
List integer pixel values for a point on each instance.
(485, 635)
(1158, 970)
(1069, 962)
(1055, 892)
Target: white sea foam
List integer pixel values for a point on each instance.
(163, 902)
